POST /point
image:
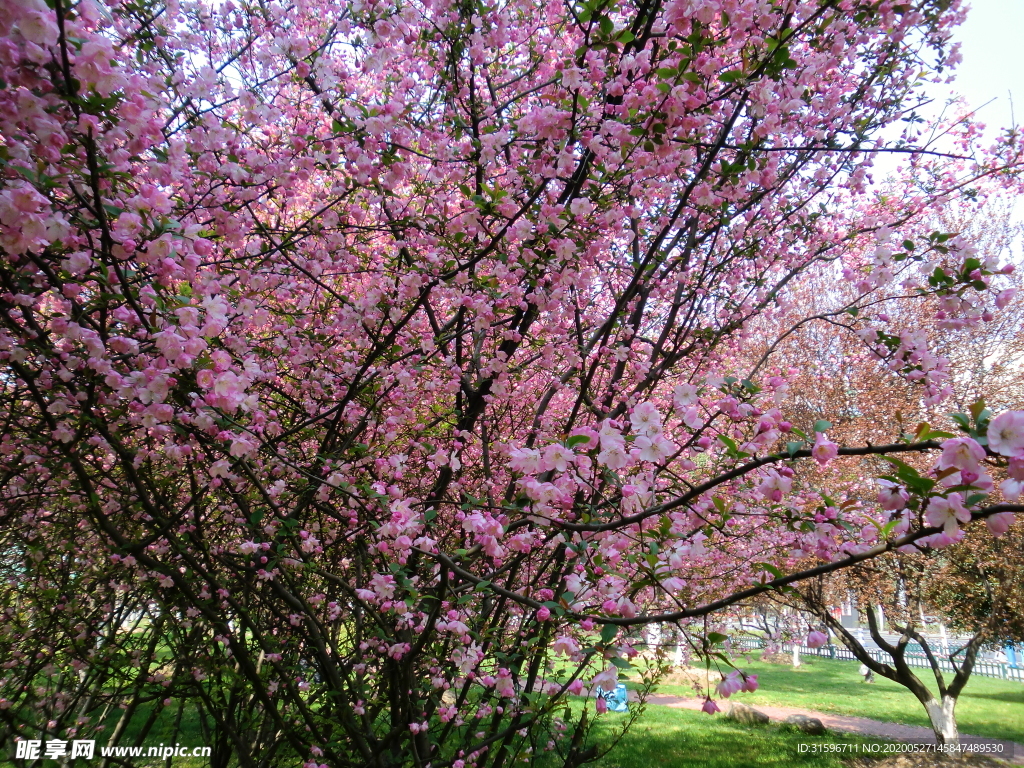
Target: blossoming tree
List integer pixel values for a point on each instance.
(974, 581)
(370, 368)
(899, 586)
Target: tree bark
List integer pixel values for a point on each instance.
(943, 719)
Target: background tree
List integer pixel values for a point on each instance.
(835, 378)
(981, 585)
(903, 587)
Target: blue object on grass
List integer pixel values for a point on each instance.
(617, 699)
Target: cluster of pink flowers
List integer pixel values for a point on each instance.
(382, 353)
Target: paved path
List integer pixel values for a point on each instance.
(1012, 752)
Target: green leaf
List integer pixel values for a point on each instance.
(932, 434)
(902, 467)
(939, 277)
(728, 442)
(750, 386)
(793, 446)
(716, 638)
(621, 663)
(575, 440)
(775, 572)
(608, 633)
(961, 420)
(977, 408)
(607, 25)
(822, 426)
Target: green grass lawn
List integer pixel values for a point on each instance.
(987, 707)
(679, 738)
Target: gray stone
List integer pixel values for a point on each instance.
(741, 713)
(809, 725)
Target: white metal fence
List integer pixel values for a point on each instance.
(996, 669)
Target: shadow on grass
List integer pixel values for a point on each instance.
(1009, 697)
(672, 738)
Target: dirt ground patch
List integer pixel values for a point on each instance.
(697, 678)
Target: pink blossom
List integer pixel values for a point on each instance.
(600, 705)
(504, 686)
(692, 419)
(241, 447)
(816, 639)
(1004, 297)
(684, 395)
(580, 206)
(999, 523)
(943, 539)
(947, 513)
(961, 453)
(229, 387)
(565, 646)
(383, 585)
(657, 449)
(645, 419)
(610, 434)
(892, 496)
(824, 450)
(1015, 468)
(1011, 488)
(710, 707)
(607, 679)
(750, 683)
(39, 28)
(590, 434)
(78, 263)
(615, 457)
(1006, 434)
(557, 457)
(729, 685)
(353, 326)
(524, 460)
(774, 486)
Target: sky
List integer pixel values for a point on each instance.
(992, 45)
(990, 77)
